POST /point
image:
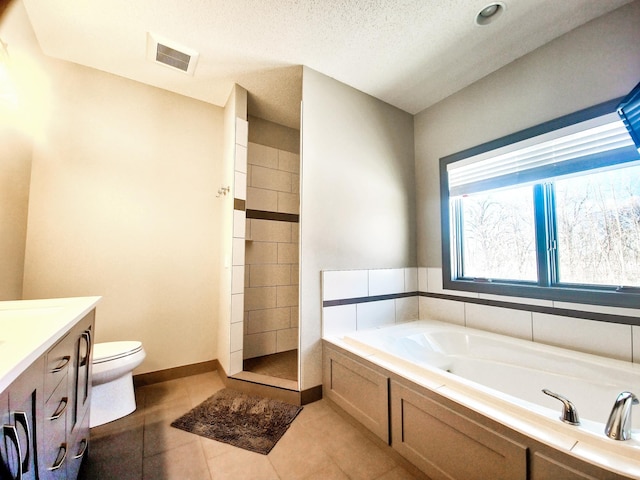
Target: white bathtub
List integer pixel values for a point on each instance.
(504, 377)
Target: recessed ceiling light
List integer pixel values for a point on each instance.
(490, 13)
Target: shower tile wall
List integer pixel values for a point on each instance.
(272, 254)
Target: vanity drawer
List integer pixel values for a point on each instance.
(55, 432)
(59, 359)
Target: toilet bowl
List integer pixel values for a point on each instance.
(112, 395)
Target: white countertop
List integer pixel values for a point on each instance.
(28, 328)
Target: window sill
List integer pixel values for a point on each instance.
(586, 296)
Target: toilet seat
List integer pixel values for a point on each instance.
(108, 351)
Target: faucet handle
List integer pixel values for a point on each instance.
(569, 410)
(618, 426)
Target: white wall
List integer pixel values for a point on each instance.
(123, 205)
(591, 64)
(357, 195)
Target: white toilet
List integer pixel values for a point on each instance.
(112, 393)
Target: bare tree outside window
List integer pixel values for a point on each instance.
(498, 234)
(598, 221)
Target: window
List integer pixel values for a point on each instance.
(551, 212)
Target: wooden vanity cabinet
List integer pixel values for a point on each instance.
(68, 396)
(45, 411)
(22, 426)
(4, 420)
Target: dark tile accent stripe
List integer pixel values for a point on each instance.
(278, 217)
(601, 317)
(374, 298)
(239, 204)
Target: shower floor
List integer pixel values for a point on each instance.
(280, 365)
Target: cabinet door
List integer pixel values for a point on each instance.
(554, 464)
(359, 390)
(83, 360)
(7, 445)
(25, 412)
(78, 447)
(447, 445)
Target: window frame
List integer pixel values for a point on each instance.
(543, 289)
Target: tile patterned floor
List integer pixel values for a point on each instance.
(320, 444)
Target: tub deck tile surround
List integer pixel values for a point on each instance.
(380, 296)
(386, 281)
(375, 314)
(609, 340)
(345, 284)
(607, 331)
(514, 323)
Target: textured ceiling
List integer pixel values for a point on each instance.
(409, 53)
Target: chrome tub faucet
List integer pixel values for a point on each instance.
(569, 411)
(619, 424)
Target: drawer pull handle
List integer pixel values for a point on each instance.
(62, 456)
(83, 448)
(22, 419)
(62, 406)
(63, 364)
(86, 336)
(11, 433)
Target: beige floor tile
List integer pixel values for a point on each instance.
(241, 464)
(186, 462)
(213, 448)
(160, 436)
(352, 451)
(115, 455)
(124, 424)
(297, 454)
(397, 473)
(361, 459)
(320, 444)
(329, 471)
(314, 412)
(330, 428)
(160, 393)
(201, 387)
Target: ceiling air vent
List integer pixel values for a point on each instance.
(171, 54)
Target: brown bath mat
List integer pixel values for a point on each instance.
(246, 421)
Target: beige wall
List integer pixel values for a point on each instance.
(15, 174)
(357, 195)
(274, 135)
(15, 154)
(123, 205)
(594, 63)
